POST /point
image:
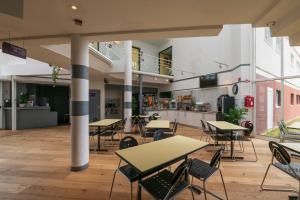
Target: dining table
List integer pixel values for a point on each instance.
(105, 123)
(158, 124)
(223, 126)
(151, 157)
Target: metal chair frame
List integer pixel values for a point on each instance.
(281, 155)
(135, 143)
(214, 164)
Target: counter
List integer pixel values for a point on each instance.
(31, 117)
(189, 118)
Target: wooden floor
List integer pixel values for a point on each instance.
(34, 164)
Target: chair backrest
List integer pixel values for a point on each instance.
(127, 142)
(179, 172)
(203, 125)
(140, 128)
(279, 152)
(159, 135)
(210, 130)
(249, 125)
(175, 128)
(216, 159)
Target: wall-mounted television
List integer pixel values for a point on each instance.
(165, 94)
(209, 80)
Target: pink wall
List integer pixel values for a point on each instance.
(290, 111)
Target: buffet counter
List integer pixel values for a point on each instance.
(189, 118)
(31, 117)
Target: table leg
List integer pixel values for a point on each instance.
(139, 192)
(232, 149)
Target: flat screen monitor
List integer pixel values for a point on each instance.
(209, 80)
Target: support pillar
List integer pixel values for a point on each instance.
(141, 94)
(79, 103)
(13, 104)
(128, 85)
(282, 79)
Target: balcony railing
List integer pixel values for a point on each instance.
(143, 62)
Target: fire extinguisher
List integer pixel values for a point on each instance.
(249, 101)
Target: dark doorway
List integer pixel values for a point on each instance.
(94, 105)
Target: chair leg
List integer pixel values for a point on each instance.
(261, 185)
(192, 193)
(223, 185)
(254, 151)
(131, 193)
(204, 190)
(112, 184)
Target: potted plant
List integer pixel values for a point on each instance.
(23, 98)
(235, 115)
(55, 74)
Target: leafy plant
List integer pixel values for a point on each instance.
(235, 115)
(23, 98)
(55, 73)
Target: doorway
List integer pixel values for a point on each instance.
(270, 105)
(94, 105)
(165, 61)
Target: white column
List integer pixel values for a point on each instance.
(13, 104)
(79, 103)
(128, 85)
(282, 80)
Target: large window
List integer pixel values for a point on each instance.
(292, 60)
(136, 58)
(292, 99)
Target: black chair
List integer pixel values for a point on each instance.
(171, 132)
(218, 137)
(121, 127)
(203, 171)
(246, 136)
(284, 164)
(127, 170)
(92, 134)
(143, 133)
(204, 129)
(167, 185)
(285, 134)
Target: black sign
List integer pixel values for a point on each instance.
(13, 50)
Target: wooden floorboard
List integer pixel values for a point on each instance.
(34, 165)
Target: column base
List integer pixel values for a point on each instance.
(80, 168)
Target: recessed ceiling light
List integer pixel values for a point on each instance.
(74, 7)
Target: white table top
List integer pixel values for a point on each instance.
(105, 122)
(154, 154)
(163, 124)
(292, 146)
(295, 125)
(226, 126)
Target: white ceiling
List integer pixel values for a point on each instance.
(52, 21)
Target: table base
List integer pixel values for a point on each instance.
(232, 158)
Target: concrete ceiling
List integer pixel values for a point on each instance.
(52, 21)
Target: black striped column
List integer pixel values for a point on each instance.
(128, 85)
(79, 103)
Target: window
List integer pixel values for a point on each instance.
(278, 98)
(298, 99)
(268, 38)
(292, 60)
(292, 99)
(136, 58)
(278, 45)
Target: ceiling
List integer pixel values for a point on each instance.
(51, 22)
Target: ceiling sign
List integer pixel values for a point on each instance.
(13, 50)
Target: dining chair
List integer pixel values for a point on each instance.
(246, 136)
(166, 184)
(127, 170)
(145, 134)
(203, 171)
(282, 161)
(204, 130)
(92, 134)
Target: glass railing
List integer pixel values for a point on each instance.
(140, 61)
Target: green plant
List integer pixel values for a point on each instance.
(55, 73)
(23, 98)
(235, 115)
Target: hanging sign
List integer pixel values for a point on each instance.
(13, 50)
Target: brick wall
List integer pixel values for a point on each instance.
(290, 111)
